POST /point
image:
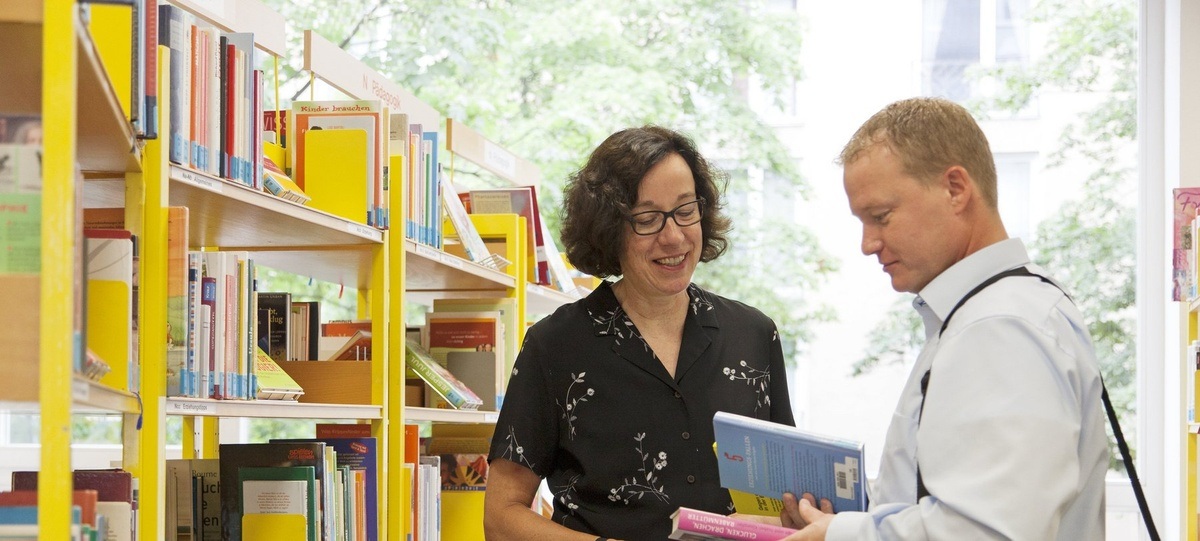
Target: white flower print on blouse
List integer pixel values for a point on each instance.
(698, 301)
(514, 449)
(566, 496)
(570, 406)
(646, 480)
(759, 378)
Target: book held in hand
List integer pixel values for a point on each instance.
(694, 525)
(768, 459)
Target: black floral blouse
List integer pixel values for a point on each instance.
(620, 442)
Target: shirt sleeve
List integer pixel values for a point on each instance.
(527, 428)
(997, 444)
(781, 403)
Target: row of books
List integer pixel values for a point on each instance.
(215, 100)
(321, 489)
(449, 471)
(104, 506)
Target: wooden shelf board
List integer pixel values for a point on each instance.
(227, 214)
(540, 299)
(269, 409)
(437, 415)
(430, 269)
(21, 394)
(105, 140)
(93, 395)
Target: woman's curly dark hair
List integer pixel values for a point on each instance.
(598, 198)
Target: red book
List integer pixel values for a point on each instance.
(694, 525)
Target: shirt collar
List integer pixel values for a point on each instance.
(602, 305)
(942, 294)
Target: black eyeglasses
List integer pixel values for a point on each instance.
(651, 222)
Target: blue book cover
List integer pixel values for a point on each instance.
(768, 459)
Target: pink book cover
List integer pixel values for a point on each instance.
(694, 525)
(1187, 201)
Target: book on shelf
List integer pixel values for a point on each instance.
(273, 383)
(471, 346)
(274, 323)
(473, 246)
(507, 307)
(356, 348)
(279, 502)
(520, 200)
(116, 497)
(111, 304)
(194, 490)
(245, 455)
(306, 321)
(767, 459)
(84, 501)
(456, 394)
(341, 167)
(357, 450)
(689, 524)
(345, 327)
(277, 183)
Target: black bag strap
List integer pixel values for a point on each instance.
(1126, 457)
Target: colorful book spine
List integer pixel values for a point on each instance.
(695, 525)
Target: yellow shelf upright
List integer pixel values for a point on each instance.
(56, 335)
(511, 230)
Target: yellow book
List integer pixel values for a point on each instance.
(110, 301)
(273, 526)
(335, 172)
(753, 504)
(111, 27)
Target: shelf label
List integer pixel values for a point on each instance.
(80, 390)
(192, 408)
(199, 180)
(429, 251)
(499, 159)
(362, 230)
(451, 260)
(491, 417)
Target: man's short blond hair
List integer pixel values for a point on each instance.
(929, 135)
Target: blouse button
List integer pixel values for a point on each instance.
(691, 479)
(677, 395)
(687, 435)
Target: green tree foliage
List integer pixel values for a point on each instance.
(550, 79)
(1089, 245)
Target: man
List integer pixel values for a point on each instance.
(999, 431)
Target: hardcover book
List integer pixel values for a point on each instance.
(694, 525)
(768, 459)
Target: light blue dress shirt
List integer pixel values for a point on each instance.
(1012, 442)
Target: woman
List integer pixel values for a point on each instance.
(612, 397)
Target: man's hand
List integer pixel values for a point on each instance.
(803, 515)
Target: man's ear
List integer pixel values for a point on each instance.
(959, 185)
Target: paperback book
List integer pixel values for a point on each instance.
(768, 459)
(695, 525)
